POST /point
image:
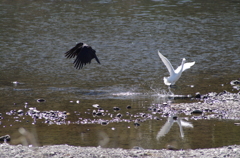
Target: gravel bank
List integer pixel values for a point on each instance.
(57, 151)
(224, 105)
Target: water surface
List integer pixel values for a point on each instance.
(126, 35)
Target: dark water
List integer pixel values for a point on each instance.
(126, 35)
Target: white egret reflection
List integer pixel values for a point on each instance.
(170, 121)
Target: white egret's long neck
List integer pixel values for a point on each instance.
(183, 62)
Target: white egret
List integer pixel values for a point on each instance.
(174, 74)
(84, 55)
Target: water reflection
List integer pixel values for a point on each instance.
(26, 138)
(103, 138)
(170, 121)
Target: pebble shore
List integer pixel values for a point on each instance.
(66, 151)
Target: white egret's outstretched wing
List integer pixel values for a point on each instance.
(167, 63)
(185, 66)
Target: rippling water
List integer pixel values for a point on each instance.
(126, 35)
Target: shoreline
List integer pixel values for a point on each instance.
(55, 151)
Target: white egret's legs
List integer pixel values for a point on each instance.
(169, 91)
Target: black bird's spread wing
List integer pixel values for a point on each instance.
(73, 52)
(84, 55)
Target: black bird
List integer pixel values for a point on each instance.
(84, 54)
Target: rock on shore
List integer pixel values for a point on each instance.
(56, 151)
